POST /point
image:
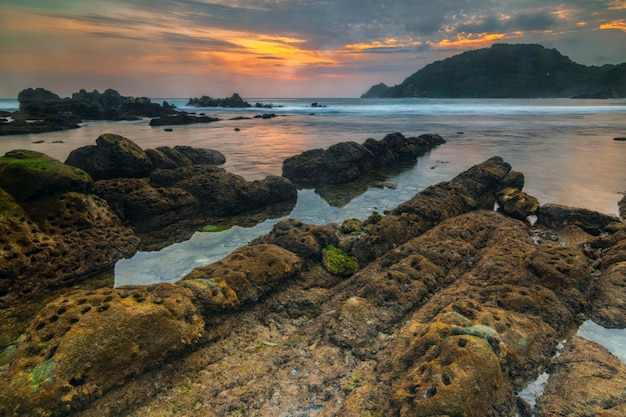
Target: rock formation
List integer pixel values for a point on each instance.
(233, 101)
(453, 317)
(55, 231)
(347, 161)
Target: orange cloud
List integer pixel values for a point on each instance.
(614, 24)
(470, 42)
(389, 43)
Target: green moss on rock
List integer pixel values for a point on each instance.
(215, 228)
(29, 174)
(337, 262)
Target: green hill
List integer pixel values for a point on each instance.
(505, 70)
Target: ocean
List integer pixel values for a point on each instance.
(564, 147)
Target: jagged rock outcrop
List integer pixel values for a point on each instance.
(44, 111)
(205, 101)
(453, 319)
(347, 161)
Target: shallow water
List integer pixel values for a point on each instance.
(565, 149)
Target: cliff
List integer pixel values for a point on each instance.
(505, 70)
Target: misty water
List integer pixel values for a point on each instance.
(564, 147)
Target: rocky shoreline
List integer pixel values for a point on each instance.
(441, 306)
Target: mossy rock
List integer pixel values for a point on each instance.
(351, 226)
(517, 203)
(337, 262)
(211, 228)
(28, 174)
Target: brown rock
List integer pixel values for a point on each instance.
(56, 241)
(517, 203)
(586, 380)
(244, 276)
(557, 217)
(471, 190)
(113, 156)
(305, 240)
(86, 343)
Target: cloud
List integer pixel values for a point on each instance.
(532, 21)
(266, 41)
(428, 25)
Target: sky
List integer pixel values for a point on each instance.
(278, 48)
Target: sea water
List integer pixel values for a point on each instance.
(564, 147)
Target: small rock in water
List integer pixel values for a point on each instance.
(620, 139)
(39, 141)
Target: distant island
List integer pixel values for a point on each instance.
(509, 71)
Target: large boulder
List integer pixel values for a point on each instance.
(30, 175)
(113, 156)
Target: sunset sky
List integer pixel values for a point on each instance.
(278, 48)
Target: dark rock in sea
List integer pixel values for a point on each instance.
(557, 216)
(113, 156)
(181, 119)
(621, 205)
(620, 139)
(347, 161)
(50, 124)
(43, 111)
(265, 116)
(452, 316)
(205, 101)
